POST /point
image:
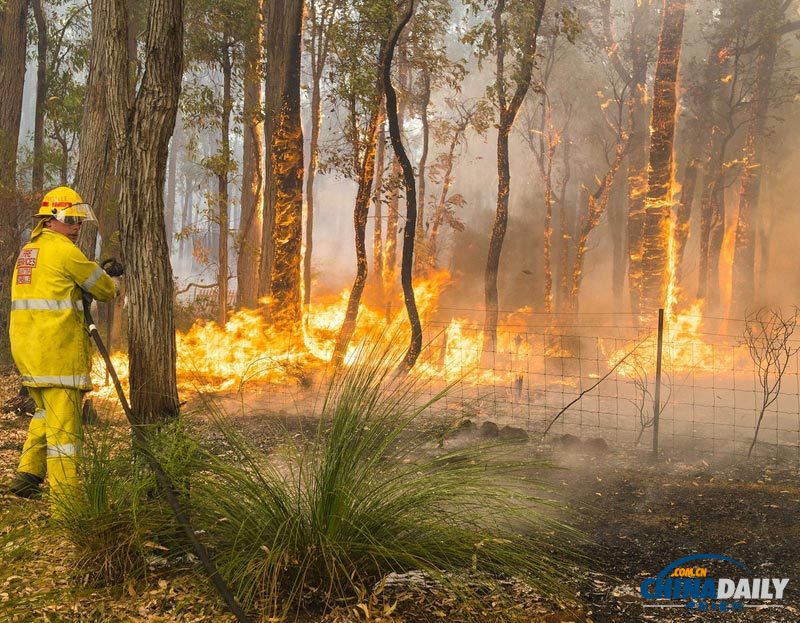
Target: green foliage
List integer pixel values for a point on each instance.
(320, 520)
(116, 521)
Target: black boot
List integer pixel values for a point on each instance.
(26, 485)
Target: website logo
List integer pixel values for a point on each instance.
(711, 583)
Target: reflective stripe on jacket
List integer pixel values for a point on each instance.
(48, 341)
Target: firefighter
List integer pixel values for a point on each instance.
(49, 343)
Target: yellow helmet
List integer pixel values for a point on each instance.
(66, 206)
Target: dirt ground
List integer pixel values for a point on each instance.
(640, 516)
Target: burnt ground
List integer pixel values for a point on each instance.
(639, 515)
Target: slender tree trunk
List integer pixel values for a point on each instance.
(420, 261)
(683, 214)
(637, 150)
(377, 201)
(95, 154)
(366, 174)
(251, 222)
(743, 287)
(596, 206)
(409, 181)
(285, 159)
(223, 219)
(313, 161)
(142, 125)
(656, 230)
(508, 113)
(37, 174)
(564, 230)
(617, 220)
(13, 39)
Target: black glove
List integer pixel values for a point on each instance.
(112, 267)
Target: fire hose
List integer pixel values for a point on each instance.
(162, 478)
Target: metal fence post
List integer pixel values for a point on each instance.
(657, 395)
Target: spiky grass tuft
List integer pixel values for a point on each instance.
(322, 520)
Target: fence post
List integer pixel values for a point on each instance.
(657, 394)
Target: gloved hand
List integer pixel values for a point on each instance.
(112, 267)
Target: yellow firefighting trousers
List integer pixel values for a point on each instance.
(53, 440)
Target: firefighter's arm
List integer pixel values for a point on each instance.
(89, 276)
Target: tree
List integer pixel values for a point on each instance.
(13, 39)
(512, 33)
(409, 230)
(284, 181)
(252, 200)
(321, 14)
(358, 43)
(656, 230)
(142, 121)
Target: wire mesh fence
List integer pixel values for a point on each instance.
(593, 376)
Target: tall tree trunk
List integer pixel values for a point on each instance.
(142, 125)
(683, 214)
(13, 39)
(223, 218)
(409, 230)
(37, 173)
(656, 230)
(366, 174)
(377, 201)
(595, 207)
(617, 221)
(420, 260)
(251, 221)
(284, 159)
(637, 150)
(564, 229)
(508, 113)
(743, 287)
(95, 153)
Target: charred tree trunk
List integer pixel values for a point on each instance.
(224, 165)
(142, 125)
(37, 173)
(419, 260)
(595, 207)
(377, 201)
(13, 39)
(365, 175)
(637, 150)
(284, 190)
(656, 230)
(743, 287)
(251, 222)
(409, 230)
(564, 228)
(508, 113)
(683, 214)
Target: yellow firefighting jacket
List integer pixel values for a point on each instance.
(48, 341)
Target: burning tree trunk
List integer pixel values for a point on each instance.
(508, 113)
(142, 125)
(409, 229)
(637, 150)
(377, 201)
(13, 35)
(284, 161)
(743, 292)
(223, 170)
(251, 221)
(683, 214)
(365, 175)
(656, 230)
